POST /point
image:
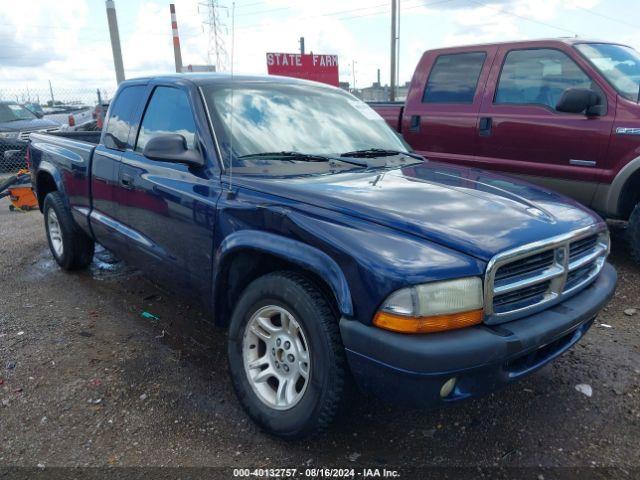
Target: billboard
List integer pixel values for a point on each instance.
(319, 68)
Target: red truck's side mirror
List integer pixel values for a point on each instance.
(580, 100)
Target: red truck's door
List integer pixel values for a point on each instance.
(441, 112)
(520, 131)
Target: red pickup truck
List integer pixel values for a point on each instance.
(563, 113)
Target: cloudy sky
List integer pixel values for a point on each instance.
(67, 41)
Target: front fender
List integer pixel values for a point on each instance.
(307, 257)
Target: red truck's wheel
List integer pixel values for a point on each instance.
(70, 246)
(286, 356)
(633, 233)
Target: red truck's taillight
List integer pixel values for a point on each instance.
(27, 158)
(72, 121)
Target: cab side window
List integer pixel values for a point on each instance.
(168, 112)
(539, 77)
(454, 78)
(116, 132)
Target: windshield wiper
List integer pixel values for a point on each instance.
(379, 152)
(299, 156)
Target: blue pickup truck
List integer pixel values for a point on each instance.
(333, 255)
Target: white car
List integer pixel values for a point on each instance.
(69, 117)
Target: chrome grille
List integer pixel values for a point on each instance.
(582, 247)
(527, 265)
(518, 298)
(534, 277)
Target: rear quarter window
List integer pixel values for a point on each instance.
(454, 78)
(116, 133)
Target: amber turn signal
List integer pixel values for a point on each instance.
(436, 323)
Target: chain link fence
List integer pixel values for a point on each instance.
(47, 110)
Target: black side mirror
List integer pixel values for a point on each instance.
(38, 114)
(579, 100)
(172, 147)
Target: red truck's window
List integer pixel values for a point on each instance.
(454, 78)
(539, 77)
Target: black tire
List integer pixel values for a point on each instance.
(633, 233)
(325, 393)
(77, 247)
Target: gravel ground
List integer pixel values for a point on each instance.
(85, 380)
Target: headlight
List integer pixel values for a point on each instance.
(9, 135)
(433, 307)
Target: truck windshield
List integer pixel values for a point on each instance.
(12, 112)
(261, 118)
(620, 65)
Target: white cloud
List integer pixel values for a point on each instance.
(46, 40)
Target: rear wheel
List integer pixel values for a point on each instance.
(286, 357)
(70, 246)
(633, 233)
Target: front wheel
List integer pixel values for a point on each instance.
(70, 246)
(633, 233)
(286, 357)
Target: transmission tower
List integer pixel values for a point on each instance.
(218, 32)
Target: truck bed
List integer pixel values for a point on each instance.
(84, 137)
(390, 111)
(68, 156)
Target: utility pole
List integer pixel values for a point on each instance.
(398, 47)
(115, 40)
(51, 91)
(392, 70)
(302, 45)
(176, 39)
(353, 73)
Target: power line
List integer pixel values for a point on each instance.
(528, 19)
(420, 5)
(330, 13)
(384, 11)
(602, 15)
(250, 5)
(258, 12)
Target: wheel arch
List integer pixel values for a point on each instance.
(47, 180)
(248, 254)
(629, 193)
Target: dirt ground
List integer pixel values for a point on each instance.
(86, 380)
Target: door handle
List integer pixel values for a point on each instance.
(414, 125)
(484, 126)
(126, 180)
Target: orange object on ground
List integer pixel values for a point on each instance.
(22, 197)
(20, 192)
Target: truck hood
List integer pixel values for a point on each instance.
(469, 210)
(27, 125)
